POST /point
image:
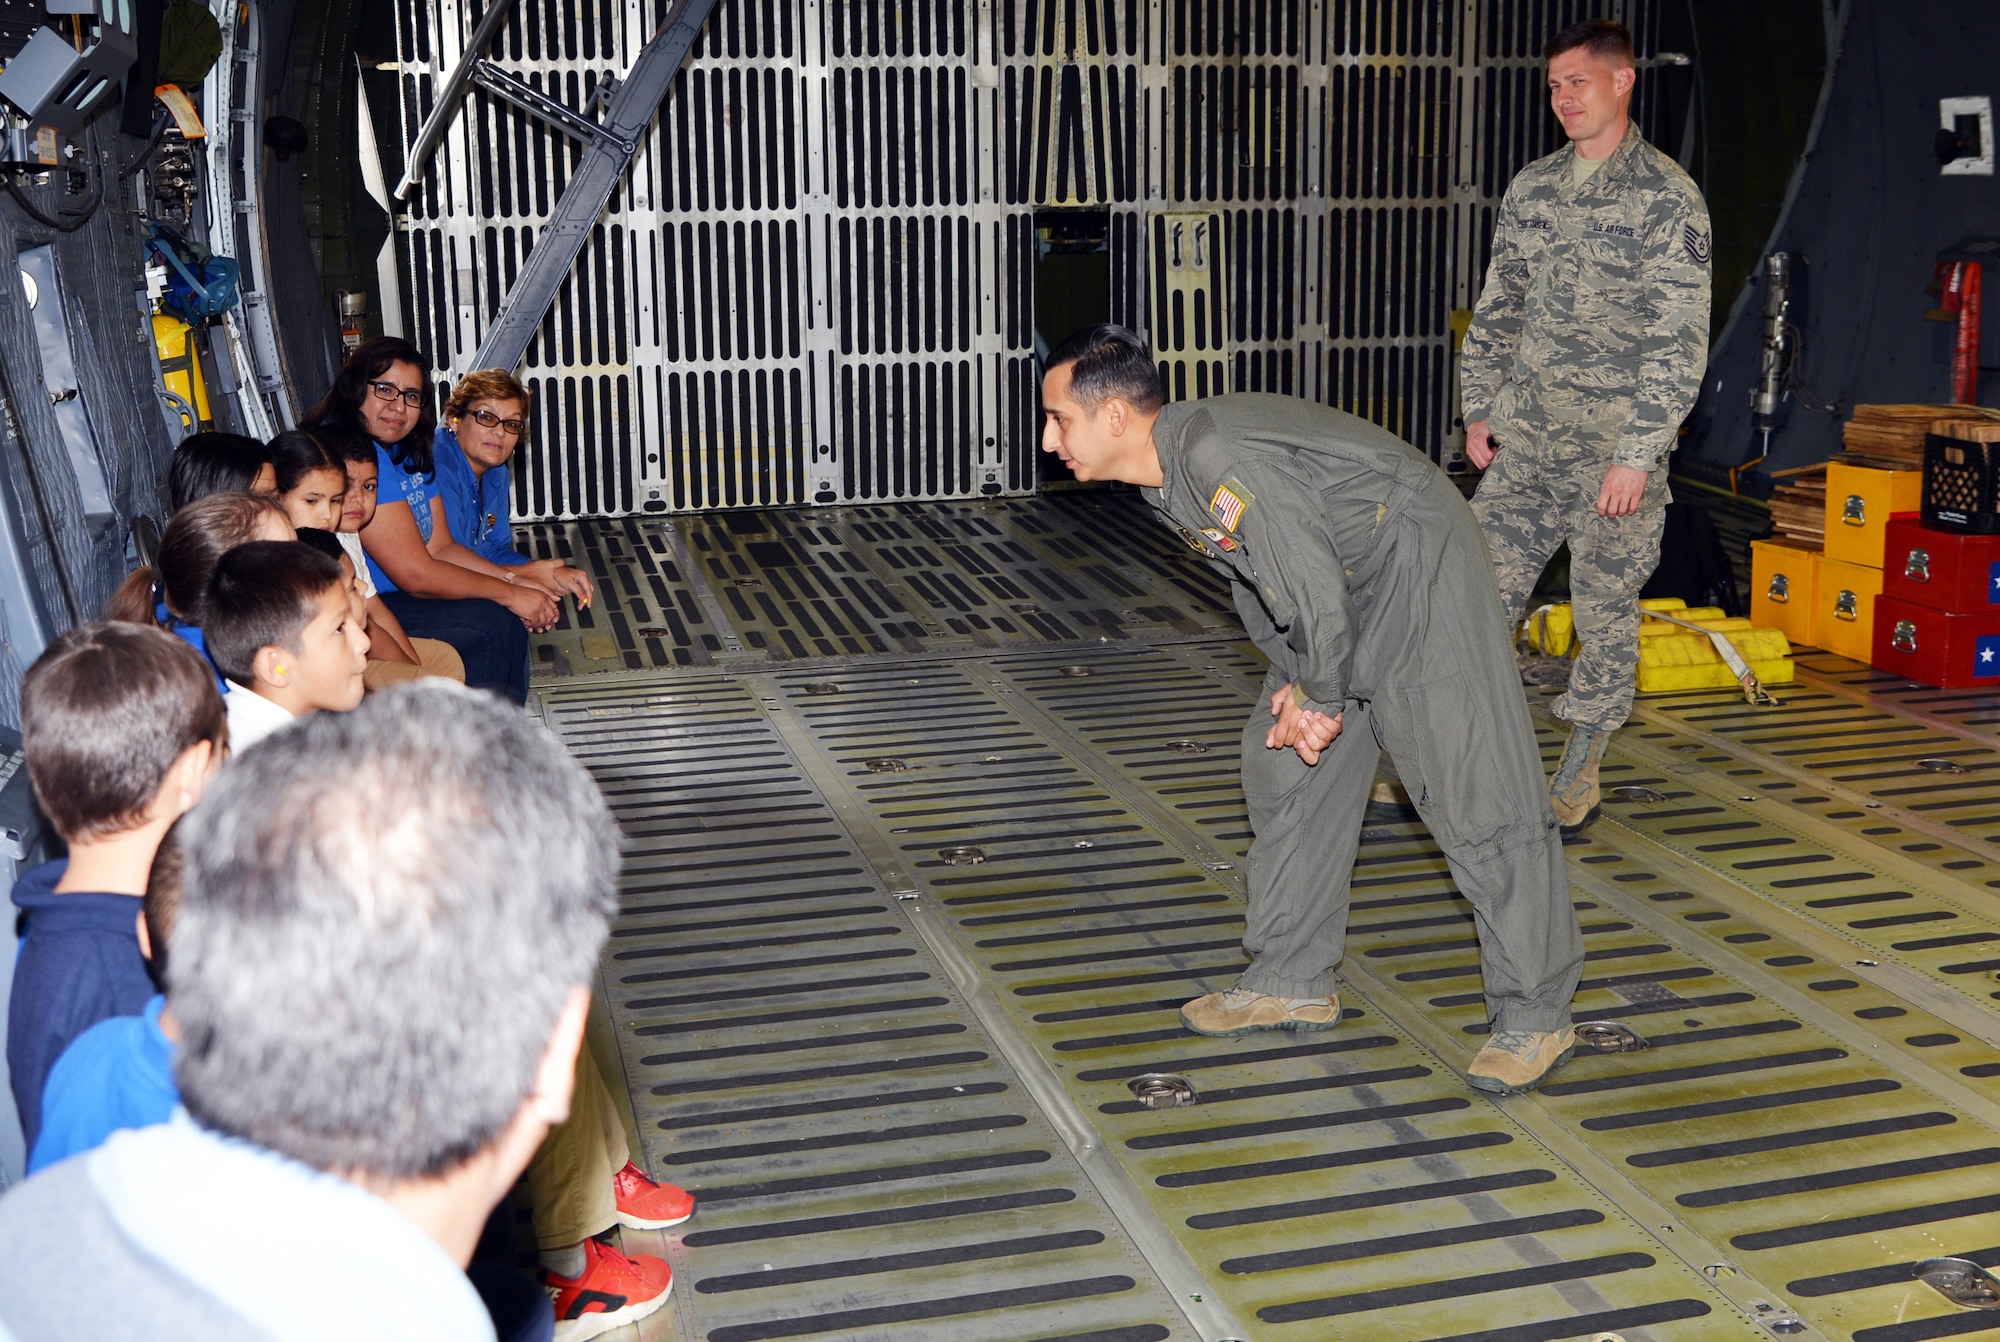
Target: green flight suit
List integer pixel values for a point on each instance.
(1360, 572)
(1586, 351)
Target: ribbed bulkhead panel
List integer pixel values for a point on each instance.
(817, 283)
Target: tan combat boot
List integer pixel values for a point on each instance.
(1573, 791)
(1243, 1010)
(1518, 1060)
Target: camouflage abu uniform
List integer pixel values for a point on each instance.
(1585, 352)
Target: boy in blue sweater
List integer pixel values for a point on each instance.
(120, 1072)
(122, 727)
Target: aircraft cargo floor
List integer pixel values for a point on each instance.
(933, 823)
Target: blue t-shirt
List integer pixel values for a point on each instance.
(475, 506)
(79, 964)
(118, 1074)
(396, 485)
(191, 633)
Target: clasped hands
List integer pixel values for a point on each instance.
(1306, 730)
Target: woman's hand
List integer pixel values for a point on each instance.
(537, 609)
(557, 579)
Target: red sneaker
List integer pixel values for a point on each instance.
(645, 1205)
(613, 1291)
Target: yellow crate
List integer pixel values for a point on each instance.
(1860, 500)
(1709, 676)
(1552, 631)
(1845, 601)
(1784, 582)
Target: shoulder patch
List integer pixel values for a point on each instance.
(1700, 244)
(1231, 501)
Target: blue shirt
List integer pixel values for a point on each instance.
(475, 506)
(79, 964)
(191, 633)
(396, 485)
(118, 1074)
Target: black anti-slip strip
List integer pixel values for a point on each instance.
(1366, 1155)
(760, 968)
(696, 1155)
(1321, 1254)
(1888, 1274)
(1454, 1288)
(880, 1099)
(852, 1321)
(940, 1256)
(1780, 1141)
(886, 1216)
(1374, 1197)
(1744, 1104)
(1841, 1178)
(1584, 1325)
(1229, 1132)
(1241, 1057)
(885, 1174)
(700, 1055)
(1670, 1075)
(819, 1012)
(1351, 1081)
(1816, 1231)
(750, 1080)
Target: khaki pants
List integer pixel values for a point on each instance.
(569, 1180)
(434, 658)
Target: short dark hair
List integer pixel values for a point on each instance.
(1600, 37)
(382, 924)
(161, 906)
(326, 542)
(263, 595)
(212, 463)
(105, 712)
(295, 454)
(348, 444)
(1110, 361)
(342, 403)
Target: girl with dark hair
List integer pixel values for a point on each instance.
(312, 482)
(381, 391)
(216, 463)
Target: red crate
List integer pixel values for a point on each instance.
(1935, 647)
(1941, 569)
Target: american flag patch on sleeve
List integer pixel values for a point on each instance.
(1230, 502)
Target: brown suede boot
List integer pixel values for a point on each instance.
(1518, 1060)
(1573, 792)
(1241, 1011)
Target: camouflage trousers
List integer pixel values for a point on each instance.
(1535, 496)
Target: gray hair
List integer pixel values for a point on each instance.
(383, 917)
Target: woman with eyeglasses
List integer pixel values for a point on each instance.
(485, 421)
(436, 587)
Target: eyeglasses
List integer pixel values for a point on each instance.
(486, 419)
(389, 391)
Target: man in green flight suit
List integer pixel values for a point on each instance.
(1583, 357)
(1360, 572)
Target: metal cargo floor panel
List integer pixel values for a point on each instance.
(901, 926)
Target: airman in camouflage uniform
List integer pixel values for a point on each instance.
(1583, 357)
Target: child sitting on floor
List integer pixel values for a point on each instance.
(122, 727)
(120, 1072)
(396, 657)
(170, 591)
(281, 629)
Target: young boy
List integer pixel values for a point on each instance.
(280, 627)
(122, 727)
(120, 1072)
(396, 657)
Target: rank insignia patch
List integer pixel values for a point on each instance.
(1700, 245)
(1231, 501)
(1222, 540)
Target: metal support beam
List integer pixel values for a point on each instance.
(449, 93)
(597, 174)
(538, 104)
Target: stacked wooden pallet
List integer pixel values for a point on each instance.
(1896, 432)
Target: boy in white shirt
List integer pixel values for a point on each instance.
(281, 627)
